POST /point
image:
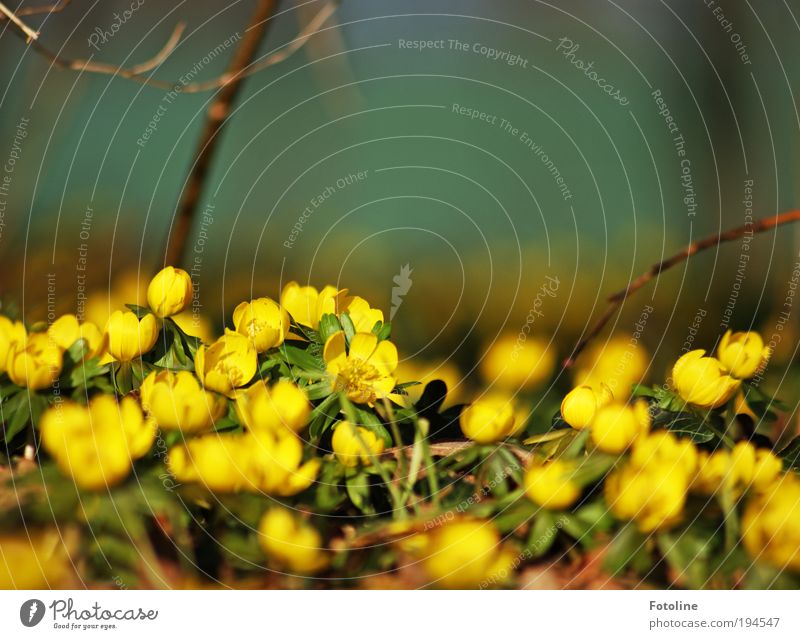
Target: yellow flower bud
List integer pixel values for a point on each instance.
(34, 361)
(195, 325)
(219, 462)
(737, 469)
(228, 363)
(579, 406)
(177, 401)
(489, 419)
(353, 444)
(466, 554)
(128, 336)
(515, 364)
(616, 426)
(169, 291)
(743, 354)
(307, 305)
(67, 330)
(291, 543)
(283, 405)
(263, 321)
(771, 524)
(551, 485)
(10, 332)
(34, 560)
(96, 445)
(654, 495)
(702, 381)
(616, 363)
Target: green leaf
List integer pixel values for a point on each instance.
(791, 455)
(372, 423)
(348, 327)
(383, 330)
(543, 533)
(140, 311)
(684, 424)
(16, 416)
(302, 358)
(328, 325)
(627, 549)
(358, 490)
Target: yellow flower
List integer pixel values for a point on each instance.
(743, 354)
(579, 406)
(653, 495)
(35, 361)
(169, 291)
(96, 445)
(490, 419)
(266, 462)
(128, 336)
(270, 408)
(365, 372)
(362, 315)
(771, 524)
(702, 381)
(290, 542)
(177, 401)
(515, 364)
(67, 330)
(466, 554)
(263, 321)
(616, 426)
(352, 444)
(662, 448)
(551, 485)
(228, 363)
(195, 325)
(413, 370)
(307, 305)
(35, 560)
(10, 332)
(738, 469)
(616, 363)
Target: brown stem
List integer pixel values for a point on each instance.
(47, 8)
(616, 299)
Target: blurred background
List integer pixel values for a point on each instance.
(528, 144)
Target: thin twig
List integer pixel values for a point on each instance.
(30, 34)
(617, 299)
(34, 11)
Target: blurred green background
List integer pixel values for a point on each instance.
(474, 211)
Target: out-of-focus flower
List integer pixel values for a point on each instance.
(654, 495)
(616, 426)
(129, 337)
(464, 555)
(177, 401)
(34, 560)
(96, 445)
(490, 419)
(291, 543)
(263, 321)
(743, 354)
(413, 370)
(551, 485)
(579, 406)
(307, 305)
(67, 330)
(737, 469)
(228, 363)
(10, 332)
(771, 524)
(616, 363)
(169, 291)
(514, 364)
(272, 408)
(34, 361)
(195, 325)
(354, 444)
(363, 316)
(664, 449)
(702, 381)
(365, 372)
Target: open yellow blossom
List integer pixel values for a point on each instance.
(515, 364)
(34, 361)
(169, 291)
(362, 315)
(738, 469)
(291, 543)
(465, 555)
(490, 419)
(67, 330)
(263, 321)
(616, 363)
(702, 380)
(227, 364)
(354, 444)
(96, 444)
(653, 495)
(270, 408)
(307, 305)
(10, 332)
(743, 354)
(616, 426)
(771, 524)
(130, 337)
(551, 485)
(177, 401)
(365, 371)
(34, 560)
(579, 406)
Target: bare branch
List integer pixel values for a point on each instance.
(47, 8)
(30, 34)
